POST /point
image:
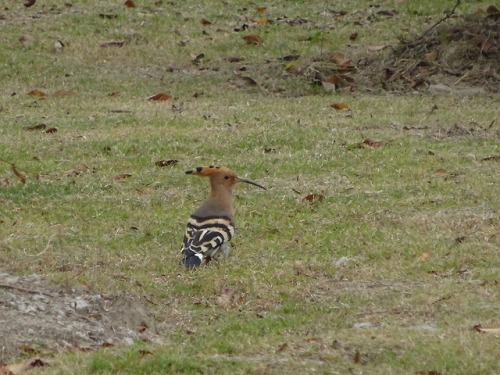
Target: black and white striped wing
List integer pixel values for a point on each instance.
(204, 238)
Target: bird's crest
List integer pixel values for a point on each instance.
(208, 171)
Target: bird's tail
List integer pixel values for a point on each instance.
(191, 259)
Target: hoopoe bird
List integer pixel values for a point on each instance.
(211, 226)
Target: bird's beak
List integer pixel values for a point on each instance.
(250, 182)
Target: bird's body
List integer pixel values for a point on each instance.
(211, 226)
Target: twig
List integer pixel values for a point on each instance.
(443, 19)
(8, 286)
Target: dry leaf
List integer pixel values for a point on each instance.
(79, 169)
(495, 331)
(247, 81)
(313, 198)
(342, 61)
(229, 298)
(282, 347)
(108, 16)
(113, 94)
(26, 38)
(35, 127)
(376, 48)
(339, 106)
(122, 176)
(353, 36)
(205, 22)
(431, 56)
(440, 172)
(51, 130)
(252, 39)
(36, 93)
(357, 357)
(479, 328)
(129, 4)
(373, 142)
(424, 256)
(261, 9)
(18, 174)
(159, 97)
(260, 20)
(29, 3)
(165, 163)
(62, 93)
(111, 44)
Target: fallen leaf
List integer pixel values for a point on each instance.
(342, 61)
(252, 39)
(143, 352)
(35, 127)
(229, 298)
(198, 58)
(36, 93)
(34, 362)
(62, 93)
(494, 331)
(111, 44)
(234, 59)
(261, 9)
(440, 172)
(282, 347)
(205, 22)
(432, 372)
(26, 38)
(129, 4)
(376, 48)
(424, 256)
(260, 20)
(51, 130)
(122, 176)
(165, 163)
(353, 36)
(113, 94)
(313, 198)
(18, 174)
(492, 158)
(357, 357)
(108, 16)
(79, 169)
(247, 81)
(373, 142)
(29, 3)
(339, 106)
(27, 349)
(159, 97)
(431, 56)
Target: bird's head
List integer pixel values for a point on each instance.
(221, 176)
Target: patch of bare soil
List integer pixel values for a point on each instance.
(39, 317)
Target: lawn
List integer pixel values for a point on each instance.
(388, 271)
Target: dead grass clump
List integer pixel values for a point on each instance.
(464, 52)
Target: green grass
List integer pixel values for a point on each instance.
(384, 207)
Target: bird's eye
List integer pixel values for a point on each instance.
(226, 177)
